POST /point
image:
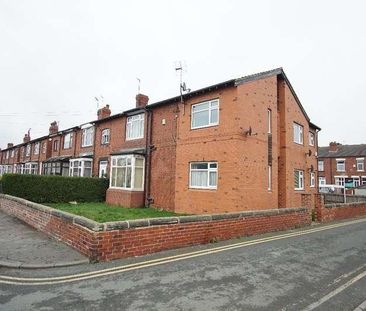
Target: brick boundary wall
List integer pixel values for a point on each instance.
(113, 240)
(338, 211)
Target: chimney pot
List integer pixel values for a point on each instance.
(10, 145)
(104, 112)
(141, 100)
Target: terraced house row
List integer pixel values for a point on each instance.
(242, 144)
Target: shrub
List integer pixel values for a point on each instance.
(55, 189)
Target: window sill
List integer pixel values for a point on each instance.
(299, 189)
(126, 189)
(202, 188)
(205, 126)
(135, 138)
(299, 144)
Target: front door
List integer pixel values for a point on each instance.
(103, 169)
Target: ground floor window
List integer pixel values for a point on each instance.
(127, 172)
(322, 181)
(81, 167)
(363, 180)
(312, 179)
(299, 179)
(103, 169)
(203, 175)
(56, 168)
(356, 181)
(31, 168)
(339, 180)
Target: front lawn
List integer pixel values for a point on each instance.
(102, 212)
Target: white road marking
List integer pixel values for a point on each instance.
(335, 292)
(105, 272)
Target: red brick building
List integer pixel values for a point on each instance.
(337, 162)
(243, 144)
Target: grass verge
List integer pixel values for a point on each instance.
(102, 212)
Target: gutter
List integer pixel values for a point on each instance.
(147, 182)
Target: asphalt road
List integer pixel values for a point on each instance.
(323, 270)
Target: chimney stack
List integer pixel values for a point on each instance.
(141, 100)
(333, 146)
(53, 128)
(26, 138)
(104, 112)
(10, 145)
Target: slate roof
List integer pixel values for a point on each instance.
(343, 151)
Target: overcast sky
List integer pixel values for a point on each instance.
(56, 56)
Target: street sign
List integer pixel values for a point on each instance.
(348, 182)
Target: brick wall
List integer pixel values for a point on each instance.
(122, 239)
(338, 211)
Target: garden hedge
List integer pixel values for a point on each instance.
(55, 189)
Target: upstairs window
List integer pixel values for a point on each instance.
(311, 139)
(341, 165)
(203, 175)
(36, 149)
(205, 114)
(7, 155)
(44, 147)
(88, 137)
(135, 127)
(12, 153)
(27, 150)
(360, 164)
(298, 134)
(105, 136)
(321, 166)
(299, 179)
(68, 140)
(55, 145)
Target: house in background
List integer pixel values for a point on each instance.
(337, 162)
(242, 144)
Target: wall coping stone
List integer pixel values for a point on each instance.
(344, 205)
(140, 223)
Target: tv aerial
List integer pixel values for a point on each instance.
(183, 89)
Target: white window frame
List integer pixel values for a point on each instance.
(102, 164)
(36, 149)
(44, 147)
(68, 138)
(340, 180)
(87, 138)
(208, 170)
(105, 136)
(301, 180)
(311, 139)
(80, 167)
(298, 133)
(269, 120)
(356, 181)
(31, 168)
(322, 180)
(28, 150)
(269, 178)
(321, 165)
(338, 161)
(312, 179)
(7, 155)
(12, 152)
(55, 145)
(363, 180)
(137, 120)
(209, 110)
(132, 158)
(362, 166)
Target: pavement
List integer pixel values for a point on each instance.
(321, 267)
(24, 247)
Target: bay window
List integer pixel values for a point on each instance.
(203, 175)
(80, 167)
(127, 172)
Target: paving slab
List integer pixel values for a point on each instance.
(21, 246)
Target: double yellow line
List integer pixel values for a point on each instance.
(160, 261)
